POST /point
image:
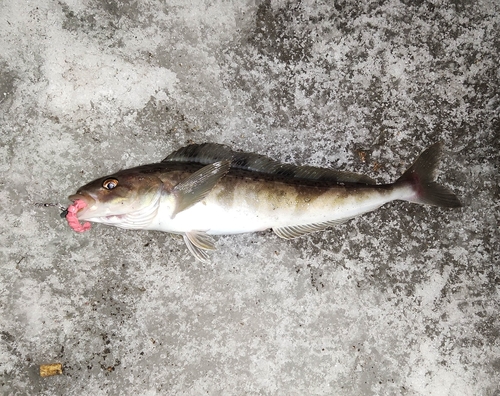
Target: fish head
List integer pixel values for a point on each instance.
(127, 199)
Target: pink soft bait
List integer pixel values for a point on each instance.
(73, 220)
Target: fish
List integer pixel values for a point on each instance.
(208, 189)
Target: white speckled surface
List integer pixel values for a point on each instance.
(403, 301)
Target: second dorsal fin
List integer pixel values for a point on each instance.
(208, 153)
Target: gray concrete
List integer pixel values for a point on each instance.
(403, 301)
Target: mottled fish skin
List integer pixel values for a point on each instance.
(208, 189)
(242, 203)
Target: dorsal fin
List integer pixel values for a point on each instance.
(205, 153)
(208, 153)
(324, 174)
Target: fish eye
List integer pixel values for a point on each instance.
(109, 184)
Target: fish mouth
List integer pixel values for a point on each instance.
(89, 201)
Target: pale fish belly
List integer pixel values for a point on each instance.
(256, 205)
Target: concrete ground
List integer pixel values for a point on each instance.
(402, 301)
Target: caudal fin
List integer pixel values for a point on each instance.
(422, 176)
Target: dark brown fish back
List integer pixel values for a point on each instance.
(208, 153)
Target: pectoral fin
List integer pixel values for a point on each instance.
(198, 243)
(197, 186)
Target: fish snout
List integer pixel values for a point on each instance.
(89, 201)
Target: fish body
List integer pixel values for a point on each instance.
(242, 203)
(208, 189)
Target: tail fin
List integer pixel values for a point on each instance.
(422, 176)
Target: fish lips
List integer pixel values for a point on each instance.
(89, 201)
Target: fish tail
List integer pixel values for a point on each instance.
(422, 175)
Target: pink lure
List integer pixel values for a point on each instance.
(73, 220)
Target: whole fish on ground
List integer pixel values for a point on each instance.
(208, 189)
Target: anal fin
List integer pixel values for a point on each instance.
(297, 231)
